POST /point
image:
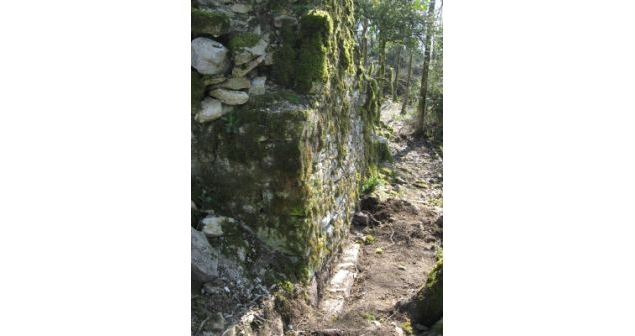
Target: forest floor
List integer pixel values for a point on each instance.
(398, 245)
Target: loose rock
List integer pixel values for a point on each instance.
(217, 322)
(211, 109)
(246, 54)
(214, 80)
(209, 57)
(360, 219)
(213, 225)
(237, 83)
(230, 97)
(204, 258)
(239, 71)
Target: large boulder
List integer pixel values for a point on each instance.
(211, 109)
(230, 97)
(204, 258)
(209, 57)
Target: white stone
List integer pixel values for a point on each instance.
(242, 71)
(213, 225)
(236, 83)
(278, 20)
(339, 286)
(227, 109)
(230, 97)
(258, 86)
(209, 57)
(214, 80)
(204, 258)
(211, 109)
(241, 8)
(246, 54)
(269, 58)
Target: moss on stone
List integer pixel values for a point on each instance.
(346, 54)
(209, 22)
(381, 150)
(316, 28)
(285, 57)
(243, 40)
(317, 22)
(429, 300)
(262, 174)
(312, 65)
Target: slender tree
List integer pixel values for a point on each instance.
(426, 65)
(407, 93)
(397, 66)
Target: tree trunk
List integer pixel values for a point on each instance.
(382, 66)
(365, 43)
(397, 65)
(424, 73)
(407, 93)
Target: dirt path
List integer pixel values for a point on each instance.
(399, 243)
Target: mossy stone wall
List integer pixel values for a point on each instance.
(288, 165)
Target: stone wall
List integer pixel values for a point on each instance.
(282, 125)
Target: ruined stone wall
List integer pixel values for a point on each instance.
(281, 130)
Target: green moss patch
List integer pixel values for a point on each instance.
(243, 40)
(303, 57)
(208, 22)
(316, 28)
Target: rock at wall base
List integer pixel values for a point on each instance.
(204, 258)
(211, 109)
(230, 97)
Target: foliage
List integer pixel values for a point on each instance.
(371, 184)
(231, 123)
(286, 286)
(407, 328)
(369, 239)
(369, 317)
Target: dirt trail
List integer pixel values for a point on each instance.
(399, 243)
